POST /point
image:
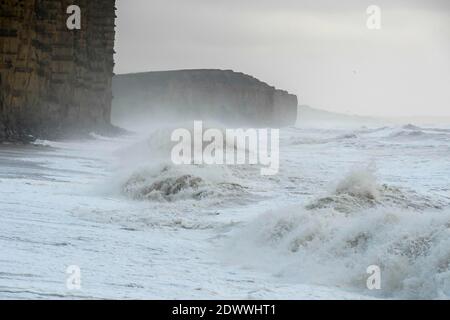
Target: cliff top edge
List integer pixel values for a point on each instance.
(196, 72)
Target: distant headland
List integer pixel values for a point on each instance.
(204, 94)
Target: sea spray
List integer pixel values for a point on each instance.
(318, 244)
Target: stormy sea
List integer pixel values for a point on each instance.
(138, 226)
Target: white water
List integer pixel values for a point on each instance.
(140, 227)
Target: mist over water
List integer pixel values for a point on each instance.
(343, 192)
(345, 198)
(358, 196)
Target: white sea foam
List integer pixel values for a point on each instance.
(324, 224)
(146, 172)
(333, 240)
(360, 189)
(172, 183)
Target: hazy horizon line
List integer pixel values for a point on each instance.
(385, 117)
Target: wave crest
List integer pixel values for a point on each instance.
(360, 190)
(174, 183)
(334, 239)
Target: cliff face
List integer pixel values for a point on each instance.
(54, 80)
(201, 94)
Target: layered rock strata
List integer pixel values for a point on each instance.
(55, 81)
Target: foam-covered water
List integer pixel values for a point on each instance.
(333, 239)
(342, 201)
(382, 198)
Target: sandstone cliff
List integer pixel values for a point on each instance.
(201, 94)
(53, 80)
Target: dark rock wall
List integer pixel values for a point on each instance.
(55, 81)
(203, 95)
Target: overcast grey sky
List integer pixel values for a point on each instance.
(320, 50)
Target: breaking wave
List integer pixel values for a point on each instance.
(333, 240)
(412, 132)
(361, 190)
(173, 183)
(146, 172)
